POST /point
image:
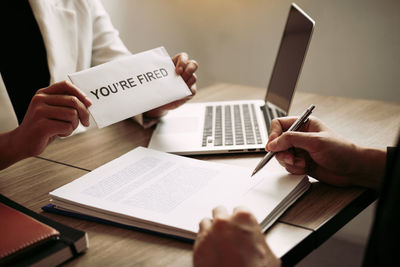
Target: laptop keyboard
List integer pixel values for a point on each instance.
(231, 125)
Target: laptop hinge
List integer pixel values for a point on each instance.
(267, 117)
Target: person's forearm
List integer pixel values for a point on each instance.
(9, 152)
(370, 167)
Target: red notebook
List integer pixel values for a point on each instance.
(20, 232)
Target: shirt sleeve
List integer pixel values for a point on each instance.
(390, 152)
(107, 44)
(382, 248)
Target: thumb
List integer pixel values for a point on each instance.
(287, 140)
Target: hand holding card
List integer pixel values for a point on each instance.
(126, 87)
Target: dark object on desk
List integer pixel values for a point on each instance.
(35, 239)
(21, 233)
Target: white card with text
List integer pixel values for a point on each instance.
(129, 86)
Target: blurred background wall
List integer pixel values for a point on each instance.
(355, 50)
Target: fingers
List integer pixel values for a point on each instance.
(181, 56)
(185, 67)
(294, 165)
(280, 125)
(64, 114)
(224, 223)
(284, 158)
(191, 83)
(295, 170)
(204, 225)
(70, 102)
(243, 216)
(160, 111)
(240, 209)
(66, 88)
(189, 68)
(307, 141)
(180, 62)
(35, 136)
(53, 111)
(58, 128)
(59, 95)
(220, 212)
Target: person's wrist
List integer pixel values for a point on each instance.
(369, 167)
(11, 151)
(17, 145)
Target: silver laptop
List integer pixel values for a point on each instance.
(239, 126)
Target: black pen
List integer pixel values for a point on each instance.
(295, 127)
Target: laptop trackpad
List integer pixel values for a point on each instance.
(179, 125)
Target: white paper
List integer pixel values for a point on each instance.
(126, 87)
(160, 191)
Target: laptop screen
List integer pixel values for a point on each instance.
(291, 54)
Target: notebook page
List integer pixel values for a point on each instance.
(174, 191)
(159, 187)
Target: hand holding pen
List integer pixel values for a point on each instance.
(295, 127)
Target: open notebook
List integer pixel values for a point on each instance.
(170, 194)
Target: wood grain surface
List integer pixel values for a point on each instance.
(364, 122)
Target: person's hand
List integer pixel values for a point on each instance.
(324, 155)
(54, 111)
(234, 240)
(186, 68)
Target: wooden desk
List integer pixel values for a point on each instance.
(365, 122)
(28, 182)
(313, 219)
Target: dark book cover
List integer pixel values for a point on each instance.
(71, 242)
